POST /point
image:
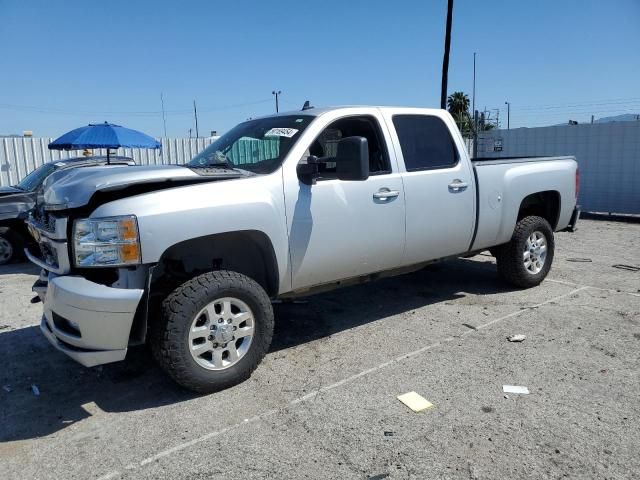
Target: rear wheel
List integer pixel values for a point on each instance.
(214, 331)
(526, 260)
(10, 246)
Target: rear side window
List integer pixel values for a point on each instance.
(425, 141)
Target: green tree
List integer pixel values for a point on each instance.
(458, 106)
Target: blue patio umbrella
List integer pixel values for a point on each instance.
(103, 135)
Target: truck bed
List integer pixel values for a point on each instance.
(502, 183)
(480, 161)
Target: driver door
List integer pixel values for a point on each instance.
(344, 229)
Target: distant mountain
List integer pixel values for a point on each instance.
(627, 117)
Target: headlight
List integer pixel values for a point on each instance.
(106, 242)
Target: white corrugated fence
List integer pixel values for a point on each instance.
(608, 155)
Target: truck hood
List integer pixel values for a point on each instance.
(77, 186)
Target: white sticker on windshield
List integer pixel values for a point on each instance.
(281, 132)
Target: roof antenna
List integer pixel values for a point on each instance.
(306, 106)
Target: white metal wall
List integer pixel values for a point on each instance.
(608, 155)
(19, 156)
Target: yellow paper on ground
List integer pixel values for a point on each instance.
(415, 402)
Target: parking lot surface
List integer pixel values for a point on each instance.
(323, 402)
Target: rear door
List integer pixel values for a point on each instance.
(438, 183)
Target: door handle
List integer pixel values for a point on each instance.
(385, 194)
(457, 186)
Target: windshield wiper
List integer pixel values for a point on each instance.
(214, 165)
(222, 166)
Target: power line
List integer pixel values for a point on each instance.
(148, 113)
(617, 101)
(572, 112)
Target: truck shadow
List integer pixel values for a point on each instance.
(69, 392)
(329, 313)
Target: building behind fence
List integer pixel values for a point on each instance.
(21, 155)
(608, 155)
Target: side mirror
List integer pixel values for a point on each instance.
(352, 159)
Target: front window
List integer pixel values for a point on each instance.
(259, 145)
(325, 146)
(31, 182)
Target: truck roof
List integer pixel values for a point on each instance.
(317, 111)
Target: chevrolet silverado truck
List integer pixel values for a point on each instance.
(189, 257)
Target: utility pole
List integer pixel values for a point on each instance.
(475, 134)
(473, 98)
(195, 114)
(164, 120)
(592, 118)
(508, 104)
(277, 93)
(473, 109)
(445, 59)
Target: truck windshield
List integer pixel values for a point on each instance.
(258, 146)
(32, 181)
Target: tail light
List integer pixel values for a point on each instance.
(577, 182)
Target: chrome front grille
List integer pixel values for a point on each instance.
(48, 224)
(51, 238)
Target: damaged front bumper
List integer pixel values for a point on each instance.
(87, 321)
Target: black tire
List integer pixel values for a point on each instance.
(509, 256)
(169, 337)
(13, 242)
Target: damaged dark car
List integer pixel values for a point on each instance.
(17, 200)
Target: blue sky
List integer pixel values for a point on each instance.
(69, 63)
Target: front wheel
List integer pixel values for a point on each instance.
(214, 331)
(526, 260)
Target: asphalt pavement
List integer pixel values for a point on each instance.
(323, 403)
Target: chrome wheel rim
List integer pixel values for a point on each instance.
(6, 250)
(535, 252)
(221, 333)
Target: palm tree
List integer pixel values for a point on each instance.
(458, 106)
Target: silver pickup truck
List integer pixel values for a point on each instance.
(189, 257)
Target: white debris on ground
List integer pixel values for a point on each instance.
(415, 402)
(517, 338)
(515, 389)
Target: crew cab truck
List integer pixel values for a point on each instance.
(189, 257)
